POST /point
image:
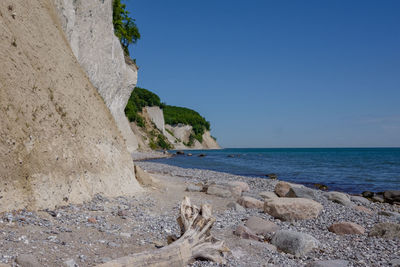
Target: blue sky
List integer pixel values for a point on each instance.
(277, 73)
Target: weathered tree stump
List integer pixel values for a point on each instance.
(195, 242)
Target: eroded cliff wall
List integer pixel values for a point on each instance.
(90, 31)
(58, 141)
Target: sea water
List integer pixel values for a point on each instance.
(351, 170)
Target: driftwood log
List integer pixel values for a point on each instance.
(195, 242)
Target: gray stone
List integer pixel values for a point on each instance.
(302, 192)
(395, 262)
(70, 263)
(251, 203)
(27, 260)
(378, 198)
(245, 233)
(194, 188)
(386, 230)
(390, 214)
(260, 226)
(219, 190)
(391, 196)
(329, 263)
(266, 195)
(361, 200)
(289, 209)
(340, 198)
(235, 206)
(296, 243)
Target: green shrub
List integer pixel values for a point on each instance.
(125, 27)
(140, 98)
(174, 115)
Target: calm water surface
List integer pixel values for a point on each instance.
(352, 170)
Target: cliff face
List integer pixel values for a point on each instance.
(58, 141)
(90, 32)
(180, 133)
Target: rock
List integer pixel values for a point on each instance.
(251, 203)
(302, 192)
(266, 195)
(346, 228)
(282, 188)
(127, 235)
(245, 233)
(288, 209)
(359, 199)
(236, 190)
(122, 213)
(386, 230)
(202, 155)
(70, 263)
(180, 153)
(321, 187)
(367, 194)
(391, 196)
(340, 198)
(363, 209)
(219, 190)
(243, 185)
(395, 262)
(189, 154)
(396, 215)
(158, 244)
(298, 244)
(144, 178)
(92, 220)
(231, 156)
(378, 198)
(194, 188)
(260, 226)
(329, 263)
(272, 176)
(235, 206)
(27, 260)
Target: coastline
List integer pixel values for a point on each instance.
(104, 228)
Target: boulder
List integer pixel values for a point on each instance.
(266, 195)
(367, 194)
(386, 230)
(144, 178)
(294, 243)
(302, 192)
(321, 187)
(194, 188)
(251, 203)
(391, 196)
(282, 188)
(288, 209)
(236, 190)
(235, 206)
(346, 228)
(329, 263)
(272, 176)
(243, 185)
(363, 209)
(361, 200)
(27, 260)
(245, 233)
(260, 226)
(340, 198)
(219, 190)
(378, 198)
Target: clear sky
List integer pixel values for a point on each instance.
(277, 73)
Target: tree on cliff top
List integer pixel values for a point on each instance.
(124, 26)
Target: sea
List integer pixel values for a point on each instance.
(351, 170)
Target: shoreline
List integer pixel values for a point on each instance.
(104, 228)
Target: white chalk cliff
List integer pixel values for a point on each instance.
(90, 32)
(59, 143)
